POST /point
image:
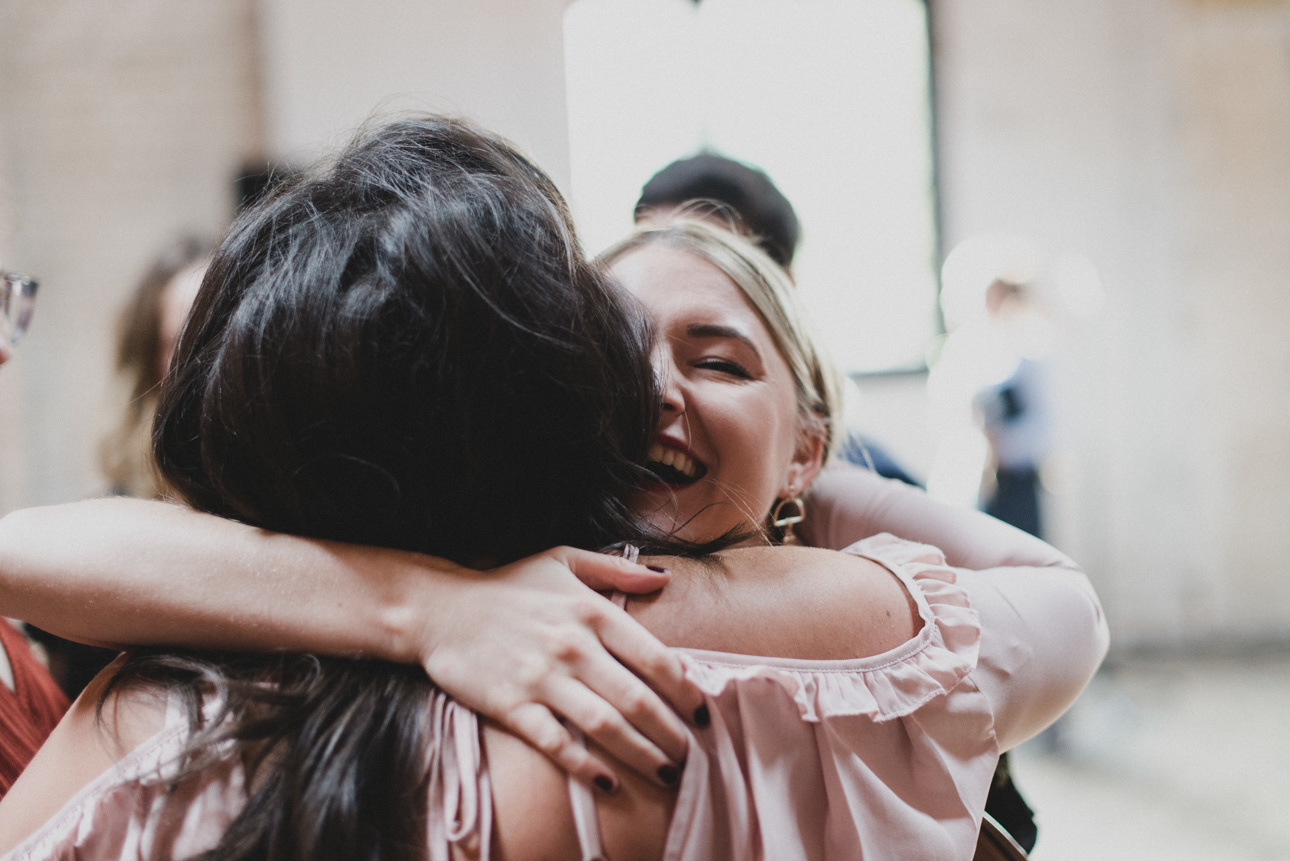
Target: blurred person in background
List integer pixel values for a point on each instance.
(1015, 413)
(989, 389)
(735, 190)
(148, 330)
(17, 302)
(988, 392)
(739, 196)
(30, 702)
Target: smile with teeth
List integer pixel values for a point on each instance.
(674, 467)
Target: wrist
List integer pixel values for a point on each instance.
(416, 598)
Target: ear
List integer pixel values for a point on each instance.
(805, 465)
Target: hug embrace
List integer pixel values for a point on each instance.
(404, 412)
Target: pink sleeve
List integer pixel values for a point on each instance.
(1043, 637)
(1043, 634)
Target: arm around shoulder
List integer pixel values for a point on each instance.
(124, 571)
(132, 572)
(1043, 636)
(1043, 633)
(848, 503)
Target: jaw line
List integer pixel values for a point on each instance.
(669, 506)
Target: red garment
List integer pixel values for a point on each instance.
(29, 712)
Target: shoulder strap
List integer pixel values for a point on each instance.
(584, 812)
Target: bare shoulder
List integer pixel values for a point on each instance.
(815, 563)
(792, 602)
(534, 816)
(83, 745)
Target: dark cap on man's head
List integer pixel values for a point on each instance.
(762, 209)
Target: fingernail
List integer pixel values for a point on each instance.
(604, 783)
(657, 569)
(701, 716)
(669, 774)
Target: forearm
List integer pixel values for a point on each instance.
(1043, 633)
(121, 571)
(847, 504)
(520, 643)
(1042, 639)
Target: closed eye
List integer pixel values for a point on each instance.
(724, 366)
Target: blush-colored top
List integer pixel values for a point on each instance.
(883, 757)
(29, 712)
(886, 757)
(890, 756)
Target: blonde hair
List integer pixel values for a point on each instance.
(773, 295)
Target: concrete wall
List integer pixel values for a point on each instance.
(121, 125)
(331, 64)
(1152, 136)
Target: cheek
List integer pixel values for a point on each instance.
(780, 419)
(767, 441)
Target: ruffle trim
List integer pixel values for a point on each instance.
(122, 791)
(882, 687)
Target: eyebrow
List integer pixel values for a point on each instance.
(713, 330)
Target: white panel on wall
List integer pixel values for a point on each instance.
(831, 99)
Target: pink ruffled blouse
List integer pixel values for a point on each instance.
(886, 757)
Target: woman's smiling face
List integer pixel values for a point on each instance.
(730, 440)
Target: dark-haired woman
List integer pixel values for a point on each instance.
(407, 351)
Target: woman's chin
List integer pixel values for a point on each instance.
(660, 506)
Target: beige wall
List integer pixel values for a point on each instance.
(1236, 265)
(1152, 136)
(122, 125)
(331, 64)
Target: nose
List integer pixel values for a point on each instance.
(669, 382)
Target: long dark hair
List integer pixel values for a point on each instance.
(406, 348)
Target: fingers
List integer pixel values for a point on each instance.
(604, 572)
(581, 660)
(637, 648)
(536, 725)
(603, 722)
(658, 666)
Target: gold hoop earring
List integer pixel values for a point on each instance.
(786, 514)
